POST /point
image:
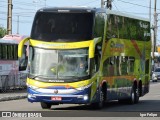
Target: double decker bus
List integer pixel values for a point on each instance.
(82, 55)
(12, 69)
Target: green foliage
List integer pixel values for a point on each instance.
(3, 32)
(99, 25)
(127, 28)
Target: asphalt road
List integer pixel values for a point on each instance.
(148, 105)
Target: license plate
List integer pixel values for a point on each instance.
(56, 98)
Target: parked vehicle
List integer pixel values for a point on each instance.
(156, 74)
(13, 72)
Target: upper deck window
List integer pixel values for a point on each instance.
(52, 26)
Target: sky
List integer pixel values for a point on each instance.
(26, 9)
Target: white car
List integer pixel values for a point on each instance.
(156, 74)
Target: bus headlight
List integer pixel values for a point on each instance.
(31, 96)
(85, 97)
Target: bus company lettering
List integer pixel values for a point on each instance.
(143, 25)
(116, 47)
(62, 45)
(56, 80)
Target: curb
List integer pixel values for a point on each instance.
(13, 98)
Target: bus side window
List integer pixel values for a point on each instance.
(131, 65)
(94, 65)
(9, 52)
(147, 66)
(99, 25)
(111, 67)
(4, 51)
(15, 53)
(124, 65)
(97, 58)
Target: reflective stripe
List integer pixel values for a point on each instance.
(43, 95)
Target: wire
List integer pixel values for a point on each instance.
(16, 20)
(24, 15)
(23, 8)
(115, 6)
(135, 13)
(89, 2)
(135, 4)
(3, 6)
(3, 19)
(17, 14)
(23, 3)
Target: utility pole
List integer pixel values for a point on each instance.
(150, 11)
(9, 17)
(108, 5)
(154, 33)
(102, 3)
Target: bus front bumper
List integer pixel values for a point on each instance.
(81, 97)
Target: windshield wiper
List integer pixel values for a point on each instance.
(68, 76)
(35, 76)
(43, 76)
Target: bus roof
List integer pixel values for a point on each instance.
(126, 15)
(15, 37)
(82, 9)
(72, 9)
(8, 41)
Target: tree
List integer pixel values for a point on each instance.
(3, 32)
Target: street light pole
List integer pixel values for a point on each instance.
(154, 34)
(9, 17)
(17, 24)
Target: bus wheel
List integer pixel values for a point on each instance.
(45, 105)
(134, 96)
(99, 105)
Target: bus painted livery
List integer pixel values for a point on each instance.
(87, 55)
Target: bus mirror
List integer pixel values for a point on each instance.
(93, 46)
(20, 47)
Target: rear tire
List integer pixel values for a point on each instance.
(45, 105)
(134, 96)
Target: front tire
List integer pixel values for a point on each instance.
(45, 105)
(100, 104)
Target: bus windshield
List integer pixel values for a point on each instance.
(50, 26)
(58, 64)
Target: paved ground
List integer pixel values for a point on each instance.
(13, 95)
(149, 104)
